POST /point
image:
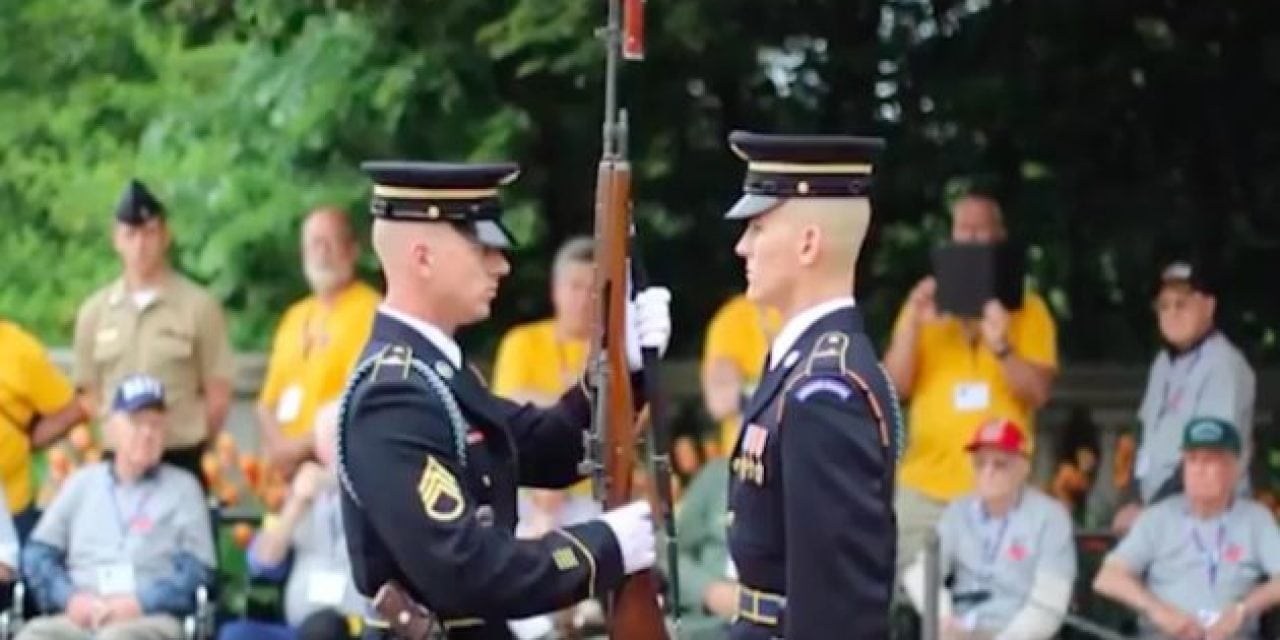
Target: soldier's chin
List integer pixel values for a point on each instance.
(482, 311)
(756, 293)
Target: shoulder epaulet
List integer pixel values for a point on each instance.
(826, 370)
(822, 370)
(392, 362)
(395, 362)
(828, 354)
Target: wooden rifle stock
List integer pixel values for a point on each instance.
(634, 610)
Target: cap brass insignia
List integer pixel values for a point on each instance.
(441, 495)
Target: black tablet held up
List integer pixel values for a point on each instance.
(969, 275)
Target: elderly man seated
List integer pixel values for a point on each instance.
(1204, 564)
(1007, 549)
(121, 551)
(306, 543)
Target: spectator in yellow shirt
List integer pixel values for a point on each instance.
(537, 361)
(318, 341)
(958, 374)
(733, 355)
(37, 407)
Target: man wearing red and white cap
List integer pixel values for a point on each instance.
(1007, 547)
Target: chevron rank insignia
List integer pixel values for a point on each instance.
(441, 495)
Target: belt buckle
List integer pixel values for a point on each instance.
(753, 611)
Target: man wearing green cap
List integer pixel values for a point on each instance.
(1204, 564)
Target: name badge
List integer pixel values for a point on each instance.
(290, 404)
(972, 396)
(116, 579)
(326, 588)
(1143, 463)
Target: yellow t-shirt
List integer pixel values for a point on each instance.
(958, 386)
(30, 386)
(535, 364)
(314, 351)
(740, 333)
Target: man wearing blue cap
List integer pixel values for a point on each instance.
(122, 549)
(430, 459)
(811, 523)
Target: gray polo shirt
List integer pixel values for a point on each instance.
(1202, 567)
(1211, 380)
(321, 573)
(1002, 556)
(8, 538)
(101, 523)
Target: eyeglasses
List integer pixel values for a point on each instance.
(1176, 304)
(996, 464)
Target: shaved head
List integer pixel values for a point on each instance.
(804, 250)
(838, 225)
(436, 272)
(391, 242)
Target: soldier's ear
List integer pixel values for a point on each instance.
(422, 256)
(810, 244)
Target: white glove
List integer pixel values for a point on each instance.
(648, 324)
(632, 526)
(532, 628)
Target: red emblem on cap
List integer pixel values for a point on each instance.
(1000, 434)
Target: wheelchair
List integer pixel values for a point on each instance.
(16, 601)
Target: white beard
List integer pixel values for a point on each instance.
(324, 278)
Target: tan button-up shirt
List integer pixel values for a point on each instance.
(179, 336)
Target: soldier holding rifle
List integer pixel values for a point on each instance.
(430, 459)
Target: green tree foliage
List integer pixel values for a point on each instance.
(1113, 131)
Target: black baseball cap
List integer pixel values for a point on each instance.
(1189, 273)
(137, 205)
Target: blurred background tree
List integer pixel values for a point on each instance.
(1115, 133)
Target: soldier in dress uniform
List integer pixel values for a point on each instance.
(811, 523)
(430, 460)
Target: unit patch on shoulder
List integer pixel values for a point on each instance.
(441, 495)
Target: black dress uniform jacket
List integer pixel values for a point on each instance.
(811, 522)
(434, 507)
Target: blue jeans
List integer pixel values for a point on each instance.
(254, 630)
(25, 521)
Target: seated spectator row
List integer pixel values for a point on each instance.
(1202, 563)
